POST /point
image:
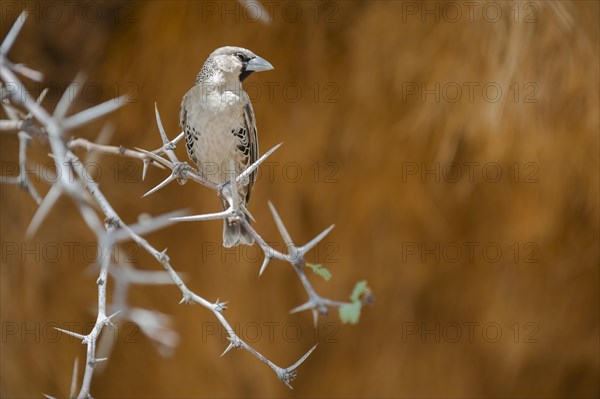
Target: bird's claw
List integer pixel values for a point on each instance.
(180, 170)
(223, 190)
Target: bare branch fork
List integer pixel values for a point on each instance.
(295, 255)
(49, 128)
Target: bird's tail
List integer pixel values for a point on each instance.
(234, 233)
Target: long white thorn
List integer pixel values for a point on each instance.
(302, 359)
(161, 129)
(71, 333)
(24, 70)
(282, 230)
(264, 265)
(161, 185)
(145, 164)
(74, 378)
(10, 38)
(95, 112)
(307, 247)
(208, 216)
(244, 175)
(235, 196)
(303, 307)
(69, 96)
(144, 226)
(229, 347)
(178, 138)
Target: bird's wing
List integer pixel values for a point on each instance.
(183, 123)
(250, 144)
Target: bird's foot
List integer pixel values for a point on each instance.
(180, 170)
(224, 190)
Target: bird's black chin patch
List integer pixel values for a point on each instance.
(244, 74)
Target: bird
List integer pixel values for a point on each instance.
(217, 117)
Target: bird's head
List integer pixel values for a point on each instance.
(236, 63)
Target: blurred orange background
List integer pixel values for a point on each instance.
(455, 147)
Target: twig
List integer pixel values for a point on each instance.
(188, 296)
(87, 197)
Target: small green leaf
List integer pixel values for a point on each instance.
(359, 289)
(320, 270)
(350, 312)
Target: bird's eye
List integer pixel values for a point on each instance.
(241, 57)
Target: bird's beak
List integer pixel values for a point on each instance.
(257, 64)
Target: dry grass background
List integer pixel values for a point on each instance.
(369, 52)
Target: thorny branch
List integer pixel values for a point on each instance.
(50, 128)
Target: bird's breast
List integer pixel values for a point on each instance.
(215, 117)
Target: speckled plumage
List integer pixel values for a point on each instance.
(218, 120)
